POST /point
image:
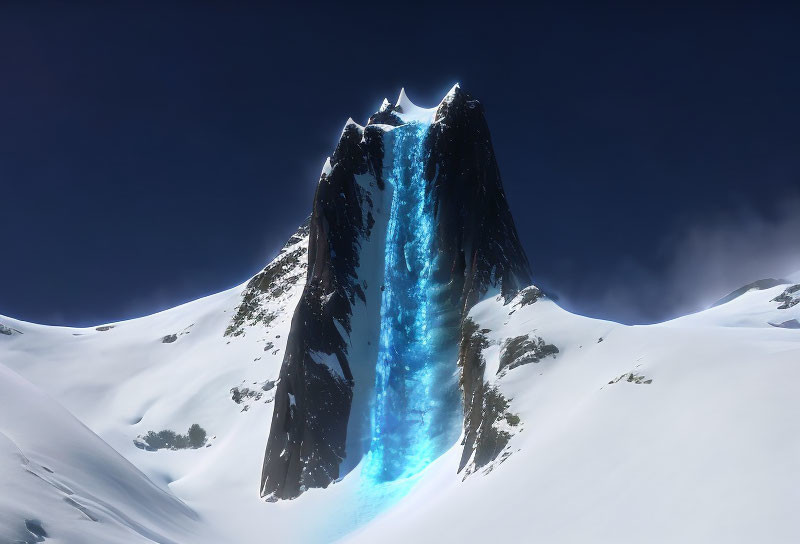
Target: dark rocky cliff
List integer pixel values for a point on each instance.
(312, 404)
(477, 250)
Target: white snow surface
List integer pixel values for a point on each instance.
(707, 452)
(410, 112)
(56, 472)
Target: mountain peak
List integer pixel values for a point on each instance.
(403, 102)
(408, 112)
(405, 111)
(454, 90)
(349, 122)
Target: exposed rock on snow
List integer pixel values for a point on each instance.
(789, 298)
(272, 284)
(246, 396)
(521, 350)
(529, 295)
(631, 377)
(170, 440)
(238, 395)
(487, 421)
(8, 331)
(170, 338)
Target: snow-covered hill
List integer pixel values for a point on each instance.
(685, 431)
(682, 431)
(210, 362)
(60, 480)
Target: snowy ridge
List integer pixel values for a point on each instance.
(146, 381)
(410, 112)
(59, 479)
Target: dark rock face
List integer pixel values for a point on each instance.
(486, 415)
(385, 116)
(272, 282)
(167, 439)
(522, 350)
(790, 297)
(529, 295)
(476, 237)
(312, 403)
(240, 394)
(631, 377)
(477, 249)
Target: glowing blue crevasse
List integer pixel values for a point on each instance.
(411, 424)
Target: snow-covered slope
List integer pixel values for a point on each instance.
(682, 431)
(212, 362)
(60, 480)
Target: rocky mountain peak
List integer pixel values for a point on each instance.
(460, 235)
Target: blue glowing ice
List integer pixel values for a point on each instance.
(412, 421)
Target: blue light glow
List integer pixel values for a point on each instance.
(412, 420)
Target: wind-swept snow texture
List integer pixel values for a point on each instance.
(59, 480)
(706, 452)
(122, 380)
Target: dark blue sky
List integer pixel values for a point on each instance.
(152, 156)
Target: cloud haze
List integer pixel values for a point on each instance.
(703, 260)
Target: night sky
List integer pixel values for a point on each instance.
(651, 156)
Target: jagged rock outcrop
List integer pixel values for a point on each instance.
(487, 421)
(8, 331)
(476, 250)
(790, 297)
(521, 350)
(529, 295)
(312, 403)
(271, 283)
(476, 237)
(631, 377)
(479, 250)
